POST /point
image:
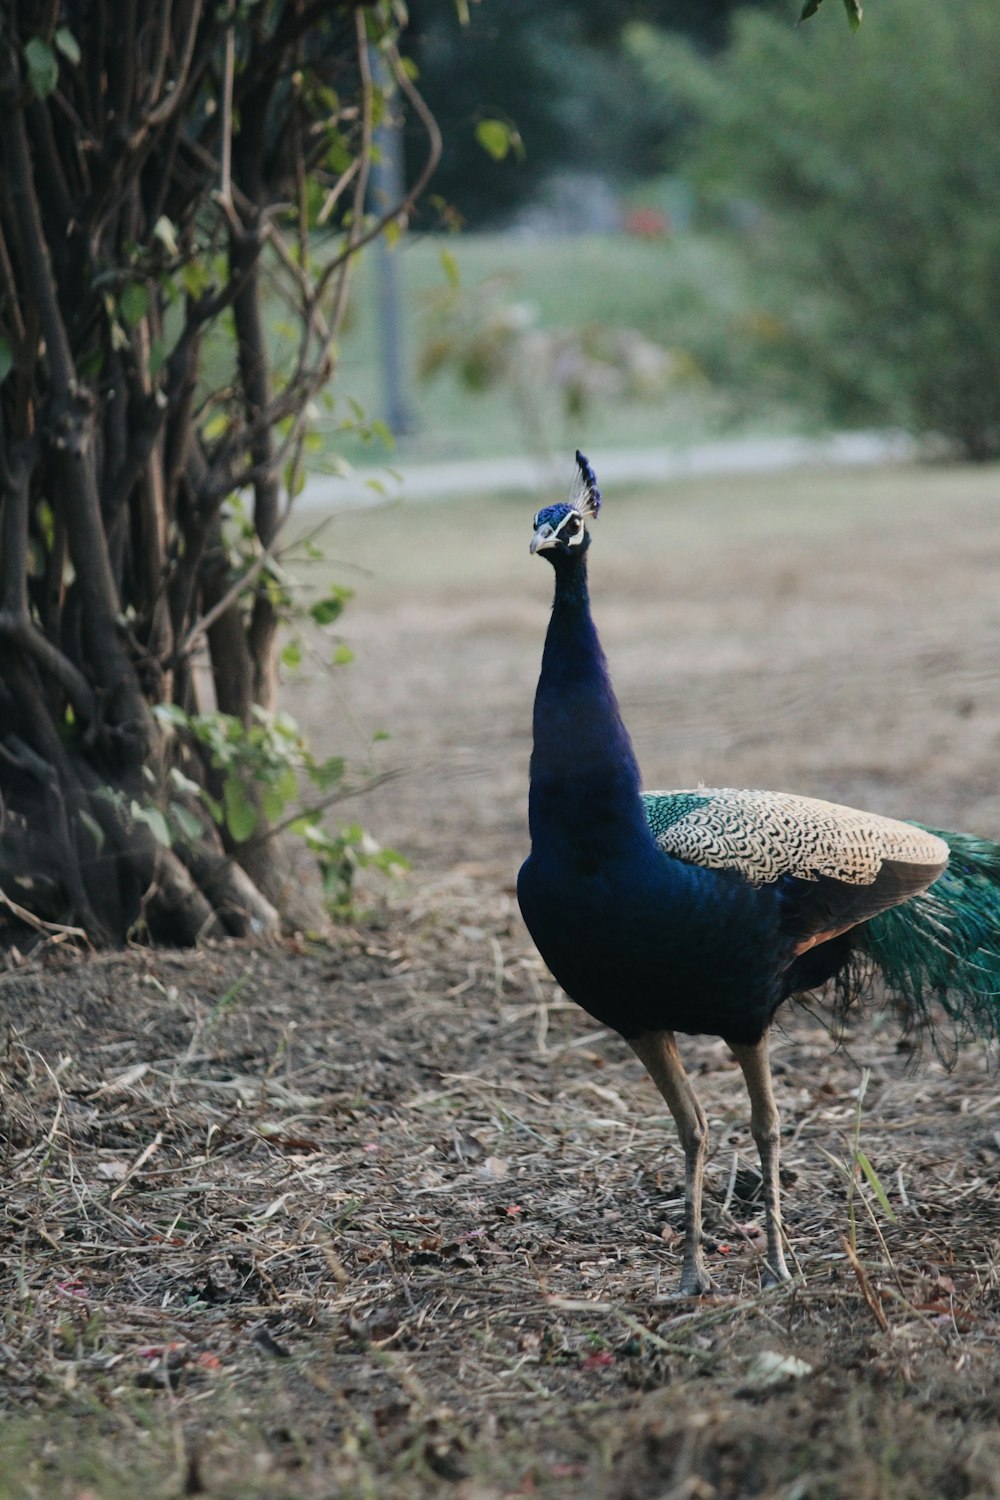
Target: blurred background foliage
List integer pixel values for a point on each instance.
(866, 172)
(787, 227)
(564, 75)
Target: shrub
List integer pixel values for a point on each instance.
(867, 169)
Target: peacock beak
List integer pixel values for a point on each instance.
(544, 537)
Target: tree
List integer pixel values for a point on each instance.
(170, 173)
(868, 176)
(560, 77)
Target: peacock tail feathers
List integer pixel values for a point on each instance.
(939, 946)
(942, 945)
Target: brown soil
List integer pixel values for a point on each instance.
(390, 1217)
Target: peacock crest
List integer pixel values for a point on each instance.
(584, 495)
(565, 522)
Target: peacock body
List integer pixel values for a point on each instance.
(702, 910)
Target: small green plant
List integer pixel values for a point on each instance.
(858, 1165)
(263, 779)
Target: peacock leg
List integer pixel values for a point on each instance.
(657, 1051)
(764, 1127)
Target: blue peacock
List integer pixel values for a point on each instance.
(701, 911)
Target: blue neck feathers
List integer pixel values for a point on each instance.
(583, 770)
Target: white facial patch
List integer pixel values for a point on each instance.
(573, 529)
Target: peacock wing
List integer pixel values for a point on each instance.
(834, 866)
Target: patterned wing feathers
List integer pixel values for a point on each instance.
(767, 835)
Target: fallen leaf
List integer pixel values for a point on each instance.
(598, 1361)
(769, 1368)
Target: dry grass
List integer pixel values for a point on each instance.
(392, 1219)
(395, 1217)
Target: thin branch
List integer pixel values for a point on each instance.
(406, 203)
(333, 196)
(163, 15)
(226, 145)
(173, 98)
(306, 381)
(38, 266)
(11, 302)
(202, 626)
(57, 929)
(312, 811)
(15, 481)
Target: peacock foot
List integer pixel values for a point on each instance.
(695, 1280)
(775, 1272)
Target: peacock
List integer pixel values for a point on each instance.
(701, 911)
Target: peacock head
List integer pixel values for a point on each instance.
(560, 530)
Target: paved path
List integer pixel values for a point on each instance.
(620, 466)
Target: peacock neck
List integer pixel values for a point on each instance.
(582, 767)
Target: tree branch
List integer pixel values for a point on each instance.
(222, 604)
(19, 631)
(37, 267)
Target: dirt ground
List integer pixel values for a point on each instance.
(388, 1217)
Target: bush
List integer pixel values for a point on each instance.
(866, 174)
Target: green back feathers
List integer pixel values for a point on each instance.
(664, 809)
(943, 945)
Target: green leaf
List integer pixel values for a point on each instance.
(495, 137)
(197, 278)
(67, 44)
(291, 654)
(325, 611)
(295, 480)
(342, 656)
(43, 67)
(6, 358)
(154, 821)
(172, 713)
(272, 803)
(185, 820)
(318, 839)
(134, 302)
(328, 772)
(183, 784)
(165, 231)
(215, 426)
(157, 354)
(449, 266)
(241, 815)
(214, 808)
(287, 784)
(809, 9)
(93, 828)
(874, 1183)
